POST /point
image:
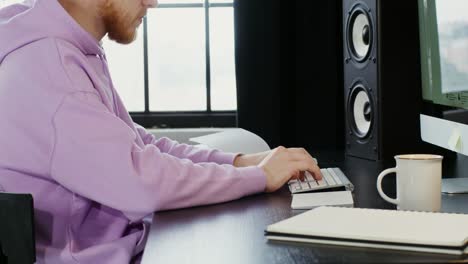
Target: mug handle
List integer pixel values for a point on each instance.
(379, 185)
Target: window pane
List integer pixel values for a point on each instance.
(177, 60)
(179, 1)
(223, 77)
(4, 3)
(126, 66)
(220, 1)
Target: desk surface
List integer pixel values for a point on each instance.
(233, 232)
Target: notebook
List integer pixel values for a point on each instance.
(376, 228)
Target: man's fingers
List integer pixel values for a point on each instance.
(308, 163)
(311, 167)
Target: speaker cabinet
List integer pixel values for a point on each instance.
(381, 78)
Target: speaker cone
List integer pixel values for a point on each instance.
(360, 111)
(359, 33)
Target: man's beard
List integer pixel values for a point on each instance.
(118, 24)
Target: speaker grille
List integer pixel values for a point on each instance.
(359, 37)
(360, 111)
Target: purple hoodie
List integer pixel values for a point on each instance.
(67, 139)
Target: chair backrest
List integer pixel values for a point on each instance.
(17, 239)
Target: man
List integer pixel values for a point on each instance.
(67, 138)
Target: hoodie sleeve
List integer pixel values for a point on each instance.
(194, 153)
(95, 155)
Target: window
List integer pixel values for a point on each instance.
(4, 3)
(180, 70)
(126, 64)
(177, 63)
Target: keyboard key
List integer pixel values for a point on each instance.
(313, 184)
(311, 179)
(309, 176)
(294, 185)
(335, 177)
(322, 182)
(304, 184)
(328, 177)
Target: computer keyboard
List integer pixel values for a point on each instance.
(332, 178)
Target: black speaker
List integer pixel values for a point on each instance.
(382, 80)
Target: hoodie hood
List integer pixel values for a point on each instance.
(30, 21)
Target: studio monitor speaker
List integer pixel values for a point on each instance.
(382, 87)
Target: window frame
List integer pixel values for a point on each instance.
(184, 119)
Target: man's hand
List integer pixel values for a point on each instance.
(282, 164)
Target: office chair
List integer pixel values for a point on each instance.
(17, 242)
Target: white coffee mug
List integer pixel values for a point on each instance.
(419, 178)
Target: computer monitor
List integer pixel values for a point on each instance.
(444, 70)
(444, 51)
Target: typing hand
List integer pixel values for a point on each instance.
(282, 164)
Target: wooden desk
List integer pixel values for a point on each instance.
(233, 232)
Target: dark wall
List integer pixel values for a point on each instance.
(257, 42)
(318, 101)
(289, 72)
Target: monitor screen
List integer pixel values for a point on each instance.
(444, 51)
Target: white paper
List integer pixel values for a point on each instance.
(234, 140)
(454, 140)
